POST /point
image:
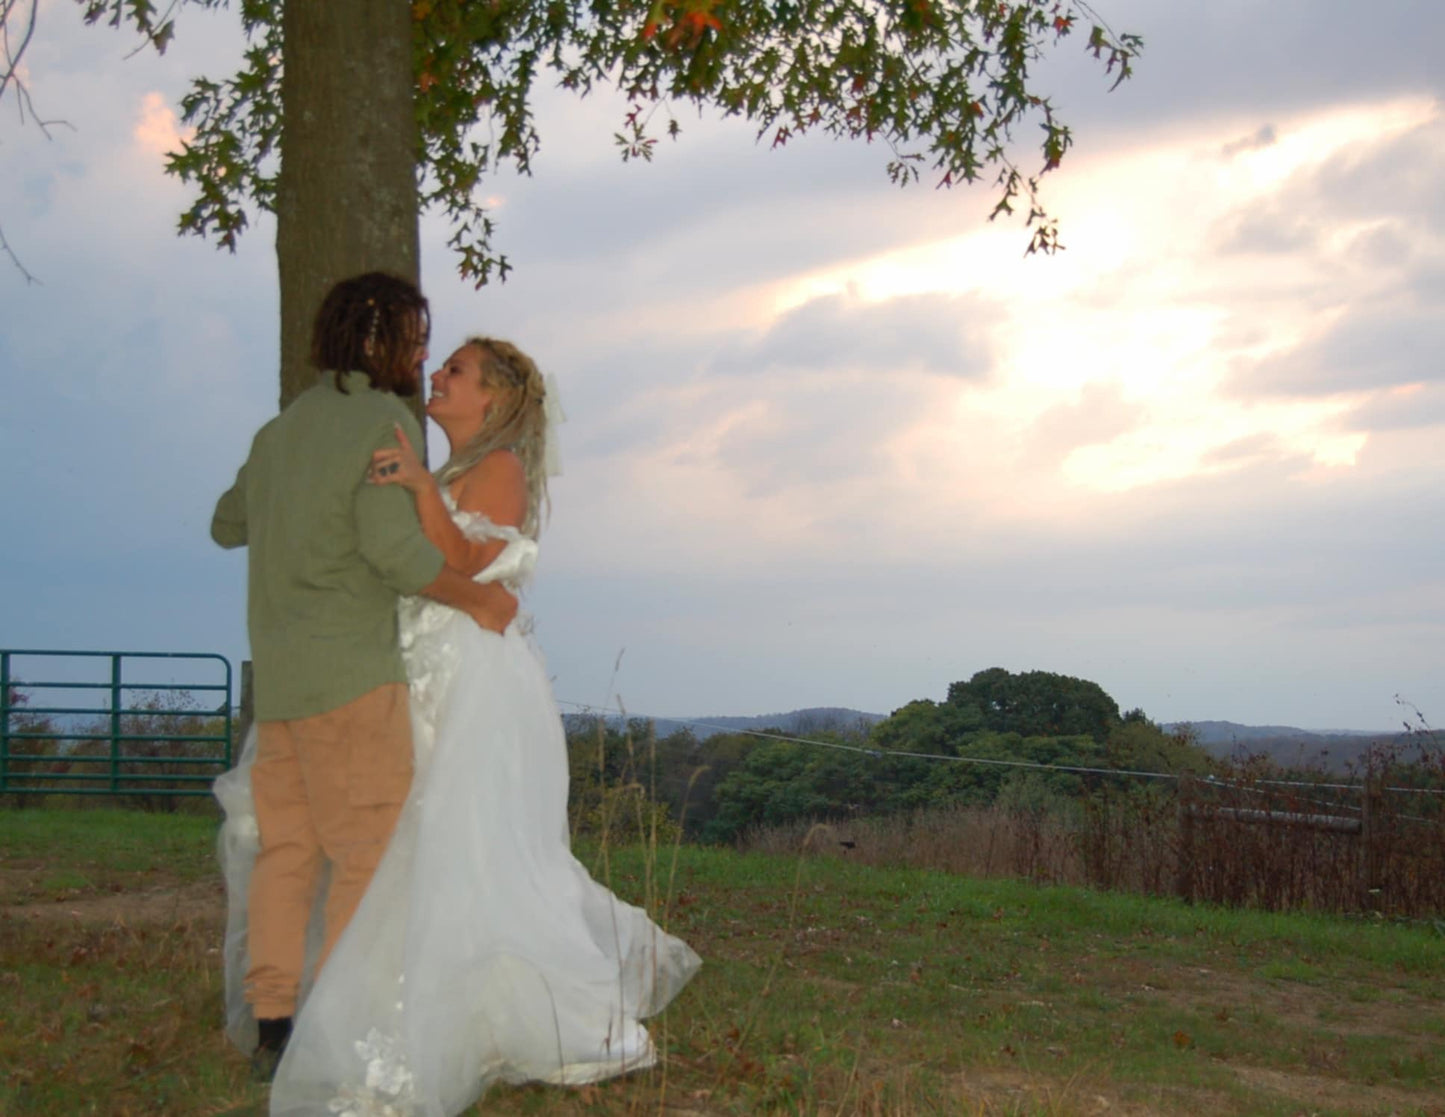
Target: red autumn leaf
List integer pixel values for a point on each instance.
(697, 22)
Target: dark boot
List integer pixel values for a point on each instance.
(274, 1033)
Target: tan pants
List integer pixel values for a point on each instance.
(325, 786)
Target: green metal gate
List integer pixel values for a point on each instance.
(87, 724)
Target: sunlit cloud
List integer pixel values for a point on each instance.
(1159, 304)
(158, 130)
(1113, 368)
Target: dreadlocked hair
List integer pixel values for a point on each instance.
(515, 421)
(372, 323)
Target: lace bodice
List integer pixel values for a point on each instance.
(427, 646)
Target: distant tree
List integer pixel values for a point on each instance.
(607, 750)
(613, 778)
(33, 735)
(768, 787)
(689, 772)
(1037, 703)
(350, 116)
(928, 726)
(781, 782)
(1137, 744)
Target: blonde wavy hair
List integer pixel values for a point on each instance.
(516, 421)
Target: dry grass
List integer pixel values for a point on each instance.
(1246, 839)
(983, 842)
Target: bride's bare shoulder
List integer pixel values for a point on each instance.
(496, 486)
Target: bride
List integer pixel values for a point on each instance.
(482, 951)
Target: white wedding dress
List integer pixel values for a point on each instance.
(482, 951)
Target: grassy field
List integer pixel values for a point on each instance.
(828, 988)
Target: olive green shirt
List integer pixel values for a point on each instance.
(330, 552)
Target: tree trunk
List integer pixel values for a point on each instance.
(346, 199)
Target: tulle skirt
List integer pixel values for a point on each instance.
(482, 951)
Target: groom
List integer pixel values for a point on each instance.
(329, 557)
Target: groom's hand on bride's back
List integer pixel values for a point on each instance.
(487, 603)
(496, 610)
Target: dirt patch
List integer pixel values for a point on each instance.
(1323, 1008)
(200, 902)
(1315, 1092)
(18, 877)
(998, 1090)
(1326, 1009)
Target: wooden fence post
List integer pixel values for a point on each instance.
(246, 716)
(1184, 867)
(1368, 851)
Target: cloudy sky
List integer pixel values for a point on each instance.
(829, 442)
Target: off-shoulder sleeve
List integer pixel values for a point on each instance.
(517, 559)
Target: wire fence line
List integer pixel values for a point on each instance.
(1075, 769)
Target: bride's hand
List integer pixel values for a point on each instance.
(399, 466)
